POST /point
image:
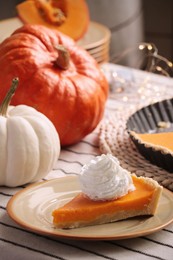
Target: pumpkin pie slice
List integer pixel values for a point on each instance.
(82, 211)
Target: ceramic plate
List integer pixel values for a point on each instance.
(8, 26)
(96, 35)
(31, 208)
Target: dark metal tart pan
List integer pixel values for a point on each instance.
(155, 118)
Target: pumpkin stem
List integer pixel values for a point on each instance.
(6, 102)
(63, 59)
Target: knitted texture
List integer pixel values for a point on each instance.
(114, 139)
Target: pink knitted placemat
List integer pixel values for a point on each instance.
(114, 139)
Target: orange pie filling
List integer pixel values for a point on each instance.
(82, 211)
(161, 141)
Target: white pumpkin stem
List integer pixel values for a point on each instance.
(6, 102)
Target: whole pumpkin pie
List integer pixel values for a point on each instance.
(159, 141)
(109, 193)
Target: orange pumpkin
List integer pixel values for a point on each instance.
(68, 16)
(58, 78)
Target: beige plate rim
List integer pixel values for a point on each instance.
(8, 26)
(101, 51)
(31, 208)
(96, 35)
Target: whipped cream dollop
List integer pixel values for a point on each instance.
(104, 179)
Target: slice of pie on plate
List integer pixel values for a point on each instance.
(82, 211)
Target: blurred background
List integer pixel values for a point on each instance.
(130, 22)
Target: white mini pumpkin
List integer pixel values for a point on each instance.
(29, 144)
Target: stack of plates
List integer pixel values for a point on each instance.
(97, 42)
